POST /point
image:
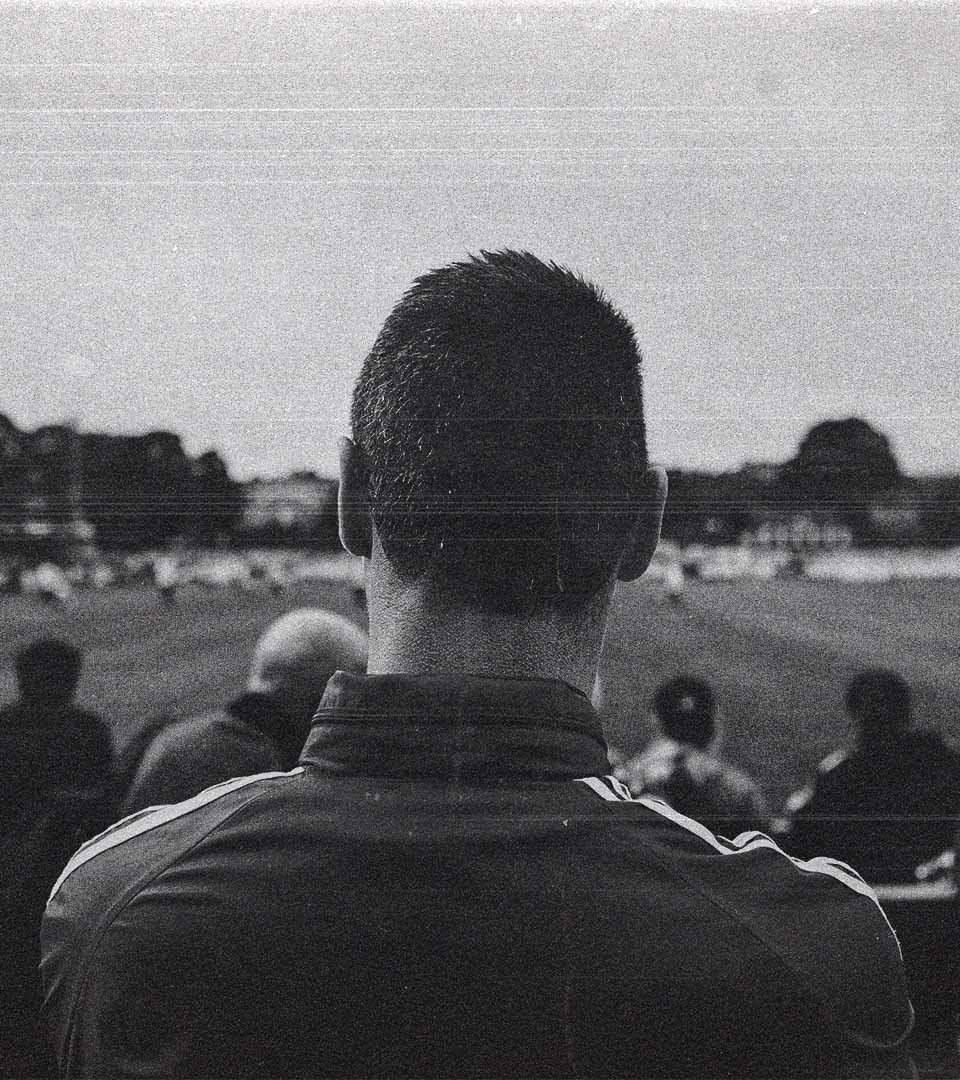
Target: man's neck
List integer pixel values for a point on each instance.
(411, 636)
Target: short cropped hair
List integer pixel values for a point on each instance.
(685, 708)
(48, 670)
(880, 700)
(499, 419)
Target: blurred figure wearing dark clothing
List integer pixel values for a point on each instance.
(46, 741)
(892, 801)
(56, 783)
(262, 730)
(681, 765)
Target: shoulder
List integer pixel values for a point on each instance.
(105, 867)
(737, 780)
(818, 918)
(652, 766)
(168, 740)
(84, 913)
(739, 788)
(934, 750)
(193, 732)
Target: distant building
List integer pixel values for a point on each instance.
(795, 531)
(759, 472)
(60, 488)
(287, 507)
(40, 509)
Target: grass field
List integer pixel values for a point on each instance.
(778, 654)
(143, 658)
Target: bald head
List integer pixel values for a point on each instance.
(299, 652)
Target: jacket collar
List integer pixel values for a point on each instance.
(455, 726)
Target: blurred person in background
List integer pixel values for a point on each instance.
(50, 583)
(47, 742)
(56, 790)
(264, 728)
(681, 764)
(166, 577)
(890, 801)
(450, 884)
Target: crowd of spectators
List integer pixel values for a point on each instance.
(415, 854)
(887, 803)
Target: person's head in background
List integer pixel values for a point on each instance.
(498, 478)
(295, 657)
(686, 711)
(48, 672)
(879, 702)
(299, 651)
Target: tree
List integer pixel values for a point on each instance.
(217, 498)
(711, 508)
(848, 454)
(143, 490)
(165, 479)
(840, 467)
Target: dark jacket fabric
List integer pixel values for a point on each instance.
(884, 807)
(449, 885)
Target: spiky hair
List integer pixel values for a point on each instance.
(499, 418)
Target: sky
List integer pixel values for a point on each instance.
(206, 211)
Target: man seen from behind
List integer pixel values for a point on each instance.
(449, 884)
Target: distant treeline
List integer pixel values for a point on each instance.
(143, 490)
(843, 476)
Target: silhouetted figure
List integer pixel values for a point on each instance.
(681, 765)
(890, 802)
(55, 792)
(264, 728)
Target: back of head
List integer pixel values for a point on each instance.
(880, 701)
(685, 708)
(300, 650)
(48, 671)
(499, 425)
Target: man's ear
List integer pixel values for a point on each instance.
(353, 510)
(646, 530)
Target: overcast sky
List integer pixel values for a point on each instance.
(207, 211)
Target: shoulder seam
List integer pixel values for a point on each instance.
(745, 842)
(108, 917)
(752, 841)
(153, 817)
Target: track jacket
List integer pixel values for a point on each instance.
(449, 885)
